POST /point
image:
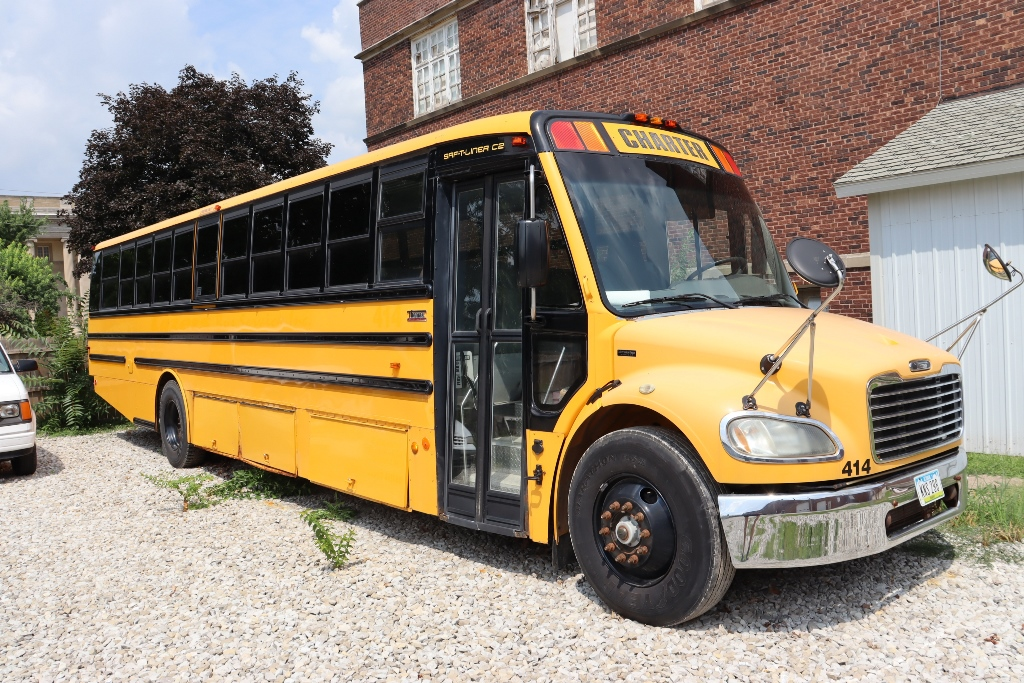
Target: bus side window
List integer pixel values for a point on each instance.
(305, 233)
(111, 268)
(94, 281)
(127, 275)
(267, 238)
(162, 268)
(206, 260)
(402, 233)
(350, 253)
(562, 289)
(183, 246)
(144, 271)
(234, 255)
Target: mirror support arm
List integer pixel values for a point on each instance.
(977, 316)
(803, 409)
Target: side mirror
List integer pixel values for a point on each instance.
(533, 253)
(994, 264)
(26, 365)
(810, 259)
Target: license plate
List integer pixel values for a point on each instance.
(929, 487)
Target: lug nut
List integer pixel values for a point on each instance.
(633, 559)
(639, 516)
(646, 533)
(606, 515)
(620, 558)
(614, 506)
(627, 506)
(605, 531)
(642, 550)
(610, 547)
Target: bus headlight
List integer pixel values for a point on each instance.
(766, 437)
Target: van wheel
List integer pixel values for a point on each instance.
(174, 429)
(25, 464)
(643, 516)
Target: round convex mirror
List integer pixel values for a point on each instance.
(994, 264)
(809, 258)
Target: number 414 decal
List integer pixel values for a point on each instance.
(856, 468)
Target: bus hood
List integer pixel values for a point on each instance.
(738, 339)
(695, 368)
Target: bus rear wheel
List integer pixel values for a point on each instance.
(643, 517)
(174, 429)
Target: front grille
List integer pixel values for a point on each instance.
(908, 417)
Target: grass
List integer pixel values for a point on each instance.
(246, 483)
(994, 512)
(995, 465)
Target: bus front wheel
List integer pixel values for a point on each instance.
(643, 516)
(174, 429)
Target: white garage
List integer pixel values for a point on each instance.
(937, 193)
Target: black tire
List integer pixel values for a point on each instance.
(174, 429)
(25, 464)
(657, 472)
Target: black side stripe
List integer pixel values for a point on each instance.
(350, 338)
(415, 386)
(102, 358)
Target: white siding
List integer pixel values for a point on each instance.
(926, 272)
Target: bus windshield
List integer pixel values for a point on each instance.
(665, 235)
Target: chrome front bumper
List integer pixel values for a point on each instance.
(822, 527)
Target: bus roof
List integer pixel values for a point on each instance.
(518, 122)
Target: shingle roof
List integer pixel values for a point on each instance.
(973, 130)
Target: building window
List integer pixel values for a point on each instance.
(43, 252)
(698, 5)
(436, 80)
(557, 30)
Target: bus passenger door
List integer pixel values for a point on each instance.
(486, 455)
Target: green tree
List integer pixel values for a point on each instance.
(17, 228)
(171, 151)
(28, 285)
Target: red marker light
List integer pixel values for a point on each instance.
(519, 141)
(640, 117)
(671, 124)
(727, 161)
(565, 137)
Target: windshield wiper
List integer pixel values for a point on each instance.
(768, 298)
(690, 296)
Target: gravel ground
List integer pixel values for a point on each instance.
(103, 577)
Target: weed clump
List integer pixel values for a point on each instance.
(189, 487)
(335, 547)
(249, 484)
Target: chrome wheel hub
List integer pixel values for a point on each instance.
(627, 532)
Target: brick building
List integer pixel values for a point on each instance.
(800, 92)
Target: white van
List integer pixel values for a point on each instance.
(17, 419)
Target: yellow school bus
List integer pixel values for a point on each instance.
(565, 326)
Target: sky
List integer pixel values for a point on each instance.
(57, 55)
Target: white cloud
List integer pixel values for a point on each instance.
(342, 118)
(56, 55)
